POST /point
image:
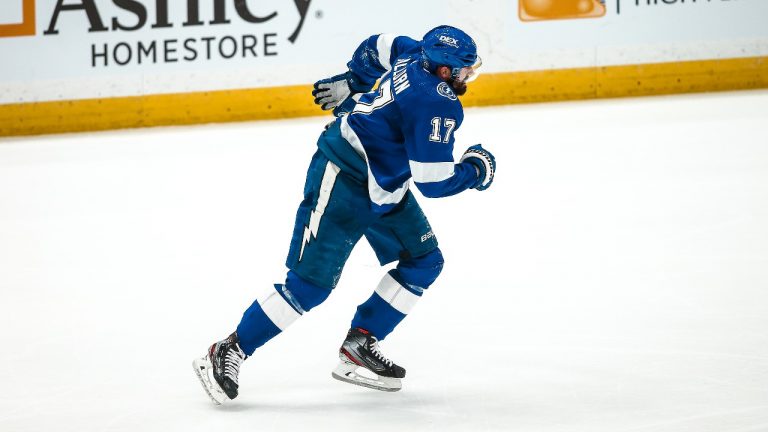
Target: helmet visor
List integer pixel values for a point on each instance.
(468, 73)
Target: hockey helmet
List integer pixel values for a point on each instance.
(451, 47)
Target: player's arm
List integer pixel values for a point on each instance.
(442, 179)
(430, 150)
(370, 61)
(374, 57)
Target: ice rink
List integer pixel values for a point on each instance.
(614, 278)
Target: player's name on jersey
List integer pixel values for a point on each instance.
(399, 75)
(183, 50)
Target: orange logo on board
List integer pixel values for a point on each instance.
(27, 25)
(545, 10)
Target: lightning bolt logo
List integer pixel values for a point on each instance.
(326, 186)
(310, 231)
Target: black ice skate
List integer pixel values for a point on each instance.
(219, 369)
(363, 364)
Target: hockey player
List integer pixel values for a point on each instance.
(357, 185)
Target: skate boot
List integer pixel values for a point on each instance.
(363, 364)
(219, 369)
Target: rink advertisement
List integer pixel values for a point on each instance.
(175, 49)
(97, 64)
(100, 35)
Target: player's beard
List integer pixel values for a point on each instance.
(460, 88)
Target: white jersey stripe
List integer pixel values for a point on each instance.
(278, 310)
(384, 46)
(377, 194)
(396, 295)
(430, 172)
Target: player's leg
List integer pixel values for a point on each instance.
(277, 309)
(329, 221)
(405, 235)
(397, 294)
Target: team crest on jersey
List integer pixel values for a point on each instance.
(445, 90)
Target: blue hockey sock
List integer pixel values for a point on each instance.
(388, 305)
(255, 328)
(270, 315)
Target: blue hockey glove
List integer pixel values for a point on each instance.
(484, 163)
(337, 90)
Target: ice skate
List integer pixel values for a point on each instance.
(363, 364)
(219, 369)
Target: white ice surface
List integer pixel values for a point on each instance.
(614, 278)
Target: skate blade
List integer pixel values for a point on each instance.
(203, 368)
(348, 373)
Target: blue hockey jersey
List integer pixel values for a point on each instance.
(405, 128)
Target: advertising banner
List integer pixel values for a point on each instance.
(95, 50)
(75, 49)
(581, 33)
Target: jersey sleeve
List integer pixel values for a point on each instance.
(374, 57)
(429, 139)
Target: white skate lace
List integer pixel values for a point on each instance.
(232, 362)
(374, 346)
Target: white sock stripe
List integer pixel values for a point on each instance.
(278, 310)
(396, 295)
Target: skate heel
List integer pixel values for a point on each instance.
(218, 371)
(204, 371)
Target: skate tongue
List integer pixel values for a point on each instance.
(234, 338)
(374, 348)
(363, 331)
